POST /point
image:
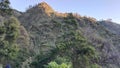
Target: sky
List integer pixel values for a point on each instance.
(99, 9)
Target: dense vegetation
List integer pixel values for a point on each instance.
(72, 46)
(5, 9)
(48, 39)
(9, 32)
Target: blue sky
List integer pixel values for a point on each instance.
(99, 9)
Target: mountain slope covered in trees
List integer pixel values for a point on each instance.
(47, 38)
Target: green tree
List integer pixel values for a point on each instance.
(5, 7)
(76, 47)
(9, 33)
(73, 46)
(12, 29)
(43, 59)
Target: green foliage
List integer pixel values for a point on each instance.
(5, 7)
(12, 29)
(95, 66)
(42, 59)
(56, 24)
(60, 60)
(52, 65)
(55, 65)
(2, 30)
(72, 45)
(71, 22)
(3, 46)
(75, 46)
(8, 46)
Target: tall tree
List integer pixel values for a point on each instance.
(8, 35)
(5, 7)
(76, 47)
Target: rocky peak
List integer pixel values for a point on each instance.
(45, 7)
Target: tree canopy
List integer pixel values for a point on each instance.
(8, 34)
(5, 7)
(75, 46)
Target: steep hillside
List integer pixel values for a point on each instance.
(13, 39)
(111, 26)
(44, 27)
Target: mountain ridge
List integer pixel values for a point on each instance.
(41, 28)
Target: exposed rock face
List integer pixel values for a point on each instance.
(44, 26)
(42, 8)
(45, 7)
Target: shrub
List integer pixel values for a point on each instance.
(55, 65)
